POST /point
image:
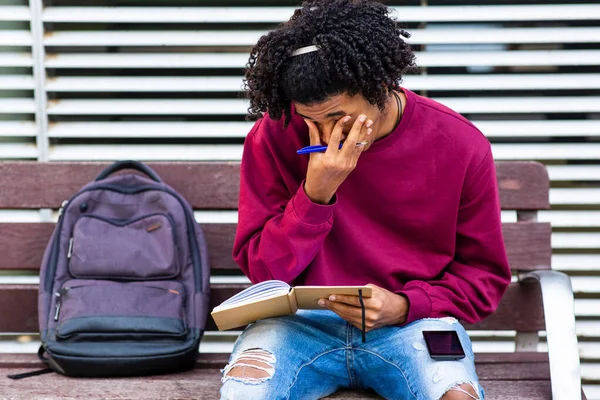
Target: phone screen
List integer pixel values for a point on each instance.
(443, 344)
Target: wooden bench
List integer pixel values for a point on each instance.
(524, 374)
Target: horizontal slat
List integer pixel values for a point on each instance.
(235, 84)
(587, 285)
(26, 184)
(566, 104)
(17, 128)
(18, 151)
(207, 152)
(492, 129)
(507, 58)
(16, 82)
(520, 308)
(239, 60)
(145, 84)
(490, 366)
(576, 240)
(204, 384)
(520, 105)
(16, 106)
(146, 130)
(574, 172)
(571, 219)
(523, 185)
(15, 60)
(562, 12)
(22, 245)
(147, 60)
(224, 152)
(576, 262)
(546, 151)
(14, 38)
(14, 13)
(148, 107)
(541, 128)
(575, 196)
(503, 82)
(249, 38)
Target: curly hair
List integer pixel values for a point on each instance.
(361, 51)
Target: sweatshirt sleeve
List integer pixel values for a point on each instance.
(472, 285)
(279, 233)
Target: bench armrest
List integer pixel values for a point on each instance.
(557, 297)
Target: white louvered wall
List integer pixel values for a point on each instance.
(162, 81)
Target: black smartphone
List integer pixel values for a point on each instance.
(444, 345)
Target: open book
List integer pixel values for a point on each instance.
(274, 299)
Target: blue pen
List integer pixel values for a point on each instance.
(320, 148)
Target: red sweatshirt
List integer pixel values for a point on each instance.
(419, 215)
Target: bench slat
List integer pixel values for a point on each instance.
(205, 384)
(520, 308)
(22, 245)
(507, 366)
(214, 185)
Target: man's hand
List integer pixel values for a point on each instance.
(328, 170)
(383, 308)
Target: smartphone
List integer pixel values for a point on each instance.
(444, 345)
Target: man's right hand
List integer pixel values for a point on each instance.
(327, 170)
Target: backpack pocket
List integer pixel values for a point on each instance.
(104, 311)
(139, 249)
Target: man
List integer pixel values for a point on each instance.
(404, 198)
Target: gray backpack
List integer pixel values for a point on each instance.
(124, 283)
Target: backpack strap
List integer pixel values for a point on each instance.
(41, 352)
(128, 164)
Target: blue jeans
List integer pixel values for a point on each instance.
(312, 354)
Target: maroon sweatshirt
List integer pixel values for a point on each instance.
(419, 215)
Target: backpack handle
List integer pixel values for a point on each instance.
(128, 164)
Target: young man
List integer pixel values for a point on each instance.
(404, 198)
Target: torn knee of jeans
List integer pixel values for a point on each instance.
(250, 366)
(468, 388)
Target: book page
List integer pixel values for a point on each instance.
(307, 297)
(260, 291)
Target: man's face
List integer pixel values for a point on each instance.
(326, 114)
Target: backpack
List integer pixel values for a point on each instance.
(124, 282)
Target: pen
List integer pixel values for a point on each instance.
(316, 149)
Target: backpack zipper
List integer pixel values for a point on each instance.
(62, 292)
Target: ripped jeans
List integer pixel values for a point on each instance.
(314, 353)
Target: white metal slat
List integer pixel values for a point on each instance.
(17, 129)
(546, 151)
(14, 13)
(491, 129)
(16, 82)
(249, 38)
(235, 84)
(538, 128)
(155, 129)
(562, 12)
(15, 60)
(142, 152)
(496, 105)
(17, 106)
(17, 151)
(14, 38)
(238, 60)
(148, 107)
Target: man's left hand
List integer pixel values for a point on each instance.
(383, 308)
